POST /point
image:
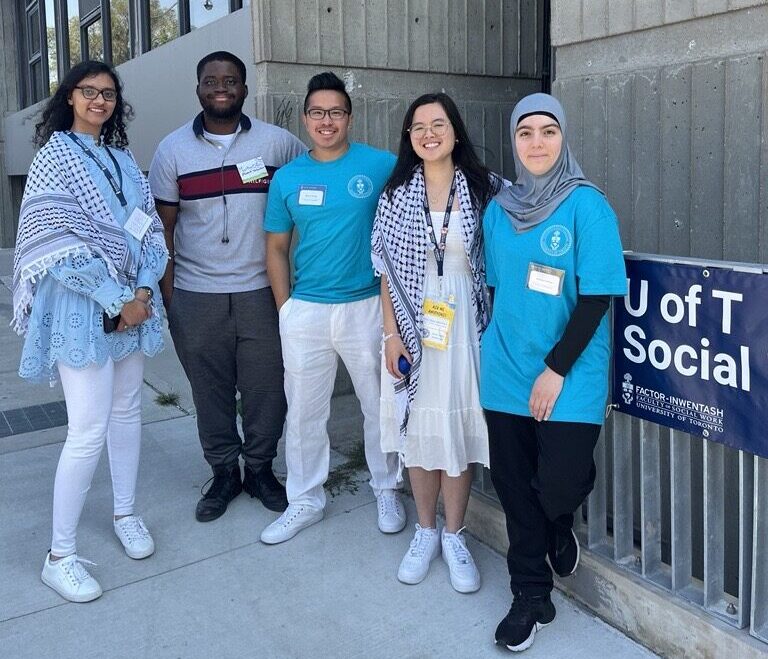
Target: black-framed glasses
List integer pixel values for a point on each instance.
(109, 95)
(336, 114)
(438, 128)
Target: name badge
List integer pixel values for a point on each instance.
(543, 279)
(438, 318)
(137, 224)
(312, 195)
(252, 170)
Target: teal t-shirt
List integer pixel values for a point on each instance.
(332, 205)
(580, 238)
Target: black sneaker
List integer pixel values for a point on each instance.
(225, 487)
(263, 485)
(563, 552)
(528, 614)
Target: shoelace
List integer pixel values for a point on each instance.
(388, 504)
(419, 543)
(134, 528)
(74, 570)
(521, 606)
(216, 488)
(204, 484)
(457, 546)
(291, 513)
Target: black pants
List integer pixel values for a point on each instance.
(542, 473)
(229, 342)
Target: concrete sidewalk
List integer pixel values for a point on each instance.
(213, 590)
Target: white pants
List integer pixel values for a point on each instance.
(103, 403)
(312, 337)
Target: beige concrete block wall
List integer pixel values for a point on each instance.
(582, 20)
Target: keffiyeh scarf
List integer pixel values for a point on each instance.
(63, 212)
(399, 246)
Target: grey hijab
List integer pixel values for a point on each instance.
(532, 199)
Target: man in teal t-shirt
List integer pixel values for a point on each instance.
(329, 197)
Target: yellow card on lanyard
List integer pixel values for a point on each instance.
(438, 318)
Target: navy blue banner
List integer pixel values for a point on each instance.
(690, 351)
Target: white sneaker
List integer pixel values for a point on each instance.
(135, 536)
(424, 548)
(391, 511)
(465, 577)
(70, 579)
(296, 517)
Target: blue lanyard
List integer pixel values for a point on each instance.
(117, 188)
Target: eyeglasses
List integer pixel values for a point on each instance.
(337, 114)
(109, 95)
(438, 128)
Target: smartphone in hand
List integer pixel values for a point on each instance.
(109, 324)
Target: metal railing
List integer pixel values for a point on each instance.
(681, 512)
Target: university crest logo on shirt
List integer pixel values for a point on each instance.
(556, 240)
(360, 186)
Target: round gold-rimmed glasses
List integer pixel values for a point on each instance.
(438, 128)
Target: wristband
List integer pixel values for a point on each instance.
(387, 337)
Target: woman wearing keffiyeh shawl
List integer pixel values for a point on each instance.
(427, 244)
(89, 254)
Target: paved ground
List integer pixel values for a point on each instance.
(213, 590)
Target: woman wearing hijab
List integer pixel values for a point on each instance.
(89, 254)
(428, 247)
(554, 260)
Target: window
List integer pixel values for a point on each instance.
(93, 37)
(73, 30)
(33, 30)
(202, 12)
(163, 21)
(36, 81)
(120, 20)
(32, 48)
(52, 45)
(57, 34)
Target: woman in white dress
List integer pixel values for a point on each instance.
(427, 245)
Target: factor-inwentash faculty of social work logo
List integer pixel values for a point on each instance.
(360, 186)
(556, 240)
(627, 389)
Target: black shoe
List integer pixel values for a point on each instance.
(563, 552)
(263, 485)
(528, 614)
(225, 487)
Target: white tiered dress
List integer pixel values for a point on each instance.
(446, 427)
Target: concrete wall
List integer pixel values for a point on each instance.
(484, 53)
(8, 103)
(670, 121)
(475, 37)
(583, 20)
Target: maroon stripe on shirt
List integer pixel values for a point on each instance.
(201, 185)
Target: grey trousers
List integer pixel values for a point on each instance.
(230, 342)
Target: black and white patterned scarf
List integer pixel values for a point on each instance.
(63, 212)
(399, 250)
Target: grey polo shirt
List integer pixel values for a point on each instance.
(219, 239)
